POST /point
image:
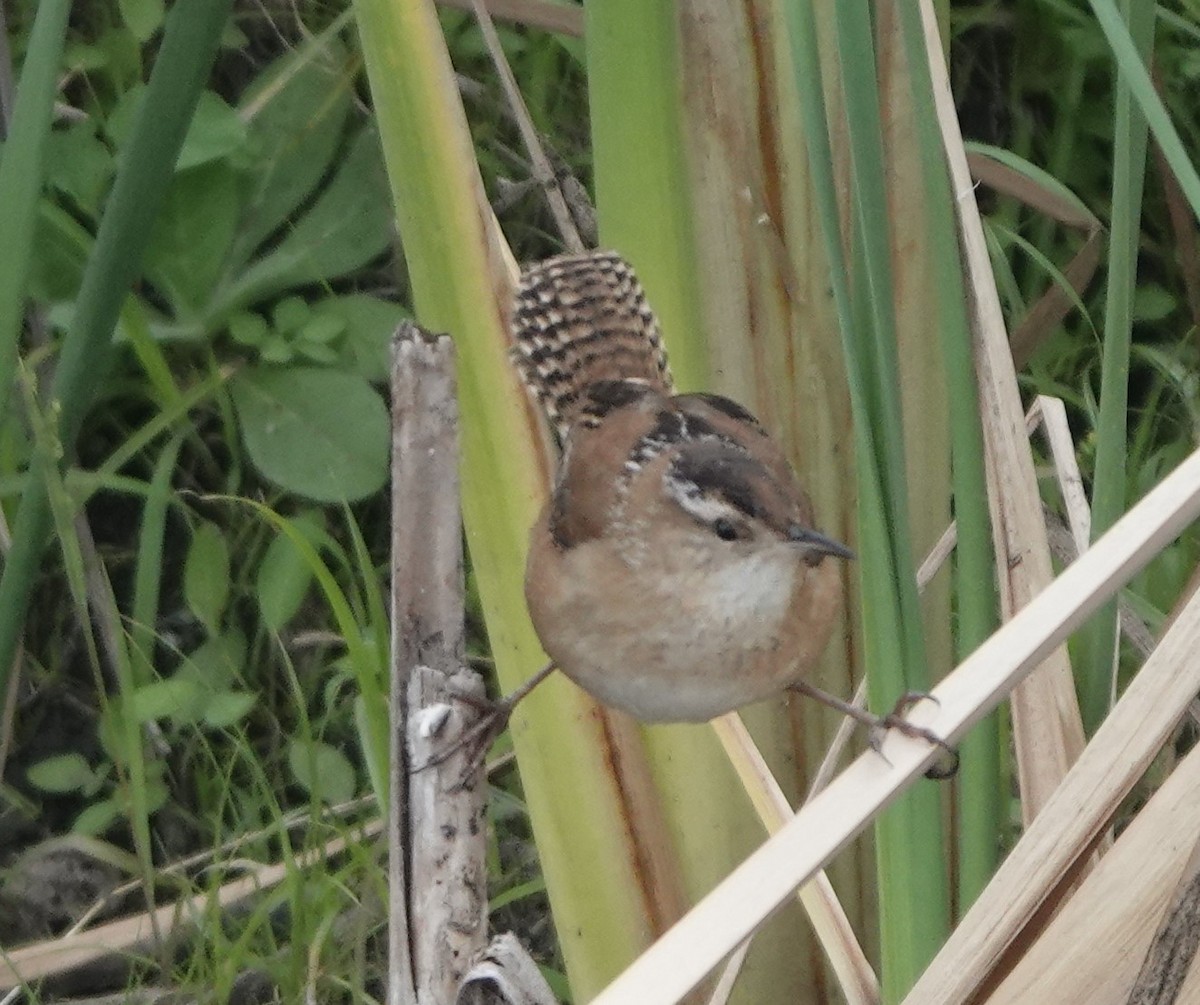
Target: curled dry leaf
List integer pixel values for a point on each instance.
(508, 973)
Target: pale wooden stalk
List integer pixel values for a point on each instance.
(683, 956)
(1074, 819)
(437, 824)
(1091, 952)
(1169, 972)
(729, 975)
(856, 979)
(1047, 729)
(1050, 414)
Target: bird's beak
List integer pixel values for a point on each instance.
(817, 542)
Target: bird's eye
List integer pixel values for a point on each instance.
(726, 530)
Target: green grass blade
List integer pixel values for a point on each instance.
(193, 30)
(1131, 56)
(148, 569)
(1097, 644)
(914, 906)
(913, 903)
(21, 175)
(364, 648)
(95, 603)
(981, 788)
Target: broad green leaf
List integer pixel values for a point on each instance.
(343, 231)
(142, 17)
(289, 314)
(217, 662)
(190, 243)
(60, 248)
(369, 324)
(215, 133)
(318, 433)
(216, 130)
(97, 818)
(248, 329)
(61, 773)
(1151, 302)
(297, 111)
(178, 698)
(322, 328)
(284, 577)
(112, 727)
(323, 770)
(233, 37)
(225, 708)
(124, 60)
(82, 57)
(277, 349)
(79, 165)
(120, 119)
(206, 575)
(316, 352)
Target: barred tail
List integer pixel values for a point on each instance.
(580, 319)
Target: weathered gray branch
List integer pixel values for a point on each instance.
(436, 866)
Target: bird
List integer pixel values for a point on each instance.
(676, 571)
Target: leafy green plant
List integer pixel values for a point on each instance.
(270, 198)
(248, 675)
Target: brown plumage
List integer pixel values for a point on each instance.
(581, 319)
(674, 572)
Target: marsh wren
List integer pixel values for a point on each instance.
(675, 572)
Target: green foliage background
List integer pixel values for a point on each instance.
(204, 647)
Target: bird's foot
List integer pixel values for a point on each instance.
(878, 725)
(492, 719)
(947, 766)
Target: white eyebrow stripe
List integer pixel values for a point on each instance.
(705, 507)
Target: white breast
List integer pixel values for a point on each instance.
(751, 596)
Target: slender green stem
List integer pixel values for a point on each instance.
(914, 906)
(980, 786)
(1096, 647)
(640, 162)
(21, 175)
(1131, 40)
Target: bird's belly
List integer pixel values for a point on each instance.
(682, 646)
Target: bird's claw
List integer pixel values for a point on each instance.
(947, 767)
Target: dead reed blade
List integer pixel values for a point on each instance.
(682, 957)
(1091, 950)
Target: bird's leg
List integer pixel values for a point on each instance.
(493, 718)
(879, 724)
